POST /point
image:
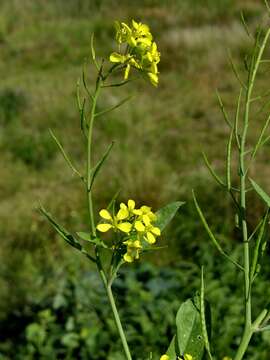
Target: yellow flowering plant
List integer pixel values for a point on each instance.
(129, 231)
(126, 230)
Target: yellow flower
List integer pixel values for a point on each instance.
(141, 51)
(187, 357)
(115, 222)
(133, 250)
(164, 357)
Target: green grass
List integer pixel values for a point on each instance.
(159, 135)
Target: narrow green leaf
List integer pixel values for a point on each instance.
(212, 171)
(93, 240)
(267, 6)
(189, 332)
(245, 24)
(203, 318)
(85, 84)
(82, 117)
(93, 52)
(68, 161)
(265, 328)
(236, 119)
(211, 235)
(261, 192)
(69, 238)
(113, 107)
(257, 246)
(235, 71)
(260, 140)
(166, 214)
(225, 115)
(98, 166)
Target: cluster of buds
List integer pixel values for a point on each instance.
(139, 51)
(137, 226)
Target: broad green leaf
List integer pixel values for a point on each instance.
(70, 239)
(189, 330)
(93, 240)
(261, 192)
(172, 352)
(166, 214)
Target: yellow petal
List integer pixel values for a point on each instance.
(128, 258)
(152, 216)
(150, 238)
(156, 231)
(127, 70)
(145, 209)
(123, 206)
(153, 78)
(104, 227)
(187, 357)
(135, 24)
(139, 226)
(165, 357)
(146, 220)
(131, 204)
(137, 244)
(137, 212)
(132, 41)
(122, 214)
(125, 227)
(117, 58)
(105, 214)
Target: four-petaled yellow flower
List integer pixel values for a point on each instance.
(137, 224)
(115, 222)
(141, 51)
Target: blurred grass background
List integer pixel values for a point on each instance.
(51, 304)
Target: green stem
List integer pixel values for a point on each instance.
(118, 322)
(89, 158)
(107, 284)
(248, 330)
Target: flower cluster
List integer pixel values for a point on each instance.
(140, 50)
(136, 224)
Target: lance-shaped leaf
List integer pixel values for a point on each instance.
(93, 240)
(113, 107)
(210, 233)
(98, 166)
(189, 330)
(257, 246)
(166, 214)
(69, 238)
(65, 156)
(261, 192)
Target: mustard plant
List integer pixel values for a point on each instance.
(239, 184)
(133, 230)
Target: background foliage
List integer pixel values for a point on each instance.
(52, 304)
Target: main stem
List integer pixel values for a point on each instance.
(248, 330)
(106, 284)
